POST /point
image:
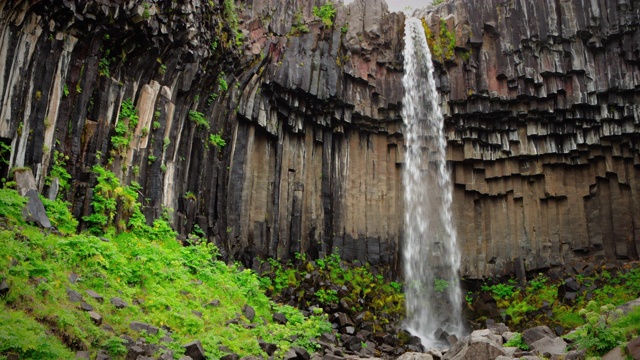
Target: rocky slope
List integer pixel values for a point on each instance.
(541, 102)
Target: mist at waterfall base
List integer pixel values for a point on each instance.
(430, 254)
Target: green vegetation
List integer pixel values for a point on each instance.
(380, 301)
(222, 83)
(127, 122)
(516, 341)
(436, 2)
(5, 151)
(231, 15)
(443, 44)
(103, 65)
(298, 27)
(217, 140)
(65, 90)
(113, 201)
(198, 118)
(164, 283)
(600, 327)
(599, 333)
(326, 12)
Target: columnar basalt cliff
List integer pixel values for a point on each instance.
(541, 103)
(544, 130)
(309, 112)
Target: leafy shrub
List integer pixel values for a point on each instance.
(501, 291)
(516, 341)
(127, 122)
(115, 346)
(326, 12)
(58, 170)
(598, 336)
(327, 296)
(198, 118)
(60, 216)
(217, 141)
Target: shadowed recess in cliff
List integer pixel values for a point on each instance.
(431, 256)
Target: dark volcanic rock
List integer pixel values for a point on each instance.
(118, 303)
(280, 318)
(4, 287)
(34, 210)
(249, 312)
(194, 350)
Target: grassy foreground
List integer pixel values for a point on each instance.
(164, 284)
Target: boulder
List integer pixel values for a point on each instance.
(86, 307)
(415, 356)
(249, 312)
(73, 296)
(95, 296)
(83, 355)
(487, 334)
(475, 348)
(24, 181)
(615, 354)
(34, 210)
(194, 350)
(95, 317)
(547, 346)
(134, 352)
(280, 318)
(633, 348)
(118, 303)
(140, 326)
(230, 357)
(4, 287)
(532, 335)
(269, 348)
(102, 355)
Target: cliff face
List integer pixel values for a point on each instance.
(544, 130)
(541, 103)
(308, 111)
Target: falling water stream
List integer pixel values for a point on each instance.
(431, 256)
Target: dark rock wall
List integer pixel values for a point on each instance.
(541, 102)
(310, 116)
(544, 130)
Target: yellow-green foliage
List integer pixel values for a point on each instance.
(326, 12)
(442, 44)
(163, 282)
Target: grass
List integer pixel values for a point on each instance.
(165, 284)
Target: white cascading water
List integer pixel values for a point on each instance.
(431, 255)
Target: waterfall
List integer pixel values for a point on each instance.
(431, 256)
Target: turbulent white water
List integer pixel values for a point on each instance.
(431, 255)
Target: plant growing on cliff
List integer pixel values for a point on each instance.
(198, 118)
(443, 45)
(326, 13)
(222, 83)
(58, 170)
(217, 140)
(5, 151)
(298, 27)
(127, 122)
